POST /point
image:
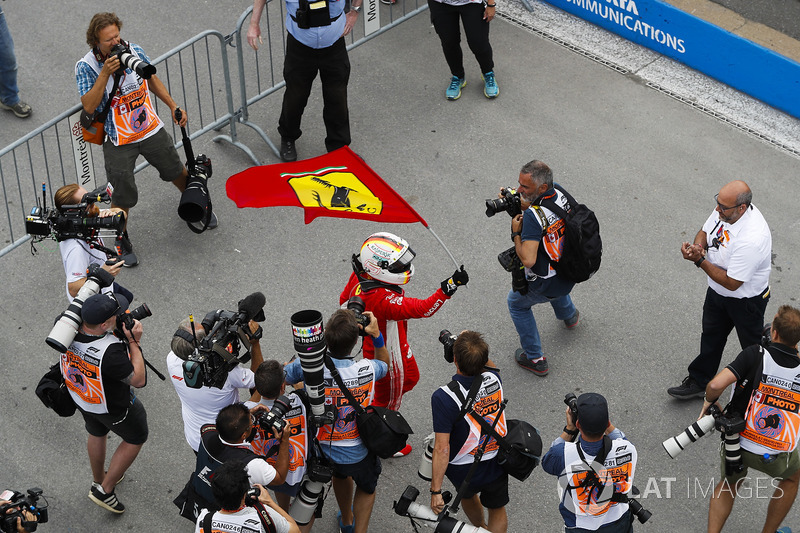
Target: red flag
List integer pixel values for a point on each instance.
(337, 184)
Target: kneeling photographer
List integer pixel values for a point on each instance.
(99, 370)
(201, 402)
(229, 440)
(595, 473)
(80, 243)
(340, 441)
(242, 508)
(766, 392)
(475, 387)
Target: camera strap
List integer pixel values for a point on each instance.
(342, 387)
(88, 118)
(592, 479)
(466, 408)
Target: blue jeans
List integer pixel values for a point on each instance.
(553, 290)
(9, 92)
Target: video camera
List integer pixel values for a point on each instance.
(221, 349)
(18, 502)
(76, 221)
(441, 523)
(128, 60)
(510, 201)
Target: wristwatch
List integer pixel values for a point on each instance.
(357, 9)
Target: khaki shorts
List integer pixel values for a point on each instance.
(782, 466)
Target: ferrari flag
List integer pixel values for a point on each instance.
(337, 184)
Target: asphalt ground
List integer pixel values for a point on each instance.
(648, 164)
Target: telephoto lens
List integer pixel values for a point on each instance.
(675, 445)
(425, 470)
(309, 343)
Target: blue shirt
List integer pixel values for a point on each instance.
(323, 36)
(337, 454)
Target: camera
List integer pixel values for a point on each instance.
(511, 262)
(356, 305)
(18, 502)
(510, 201)
(125, 320)
(448, 340)
(309, 344)
(729, 424)
(142, 68)
(318, 474)
(441, 523)
(274, 417)
(572, 402)
(67, 324)
(195, 203)
(641, 514)
(251, 497)
(219, 351)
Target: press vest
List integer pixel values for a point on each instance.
(487, 403)
(552, 233)
(773, 414)
(82, 368)
(266, 445)
(359, 378)
(131, 112)
(210, 455)
(593, 508)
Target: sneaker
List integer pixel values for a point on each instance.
(343, 528)
(108, 501)
(125, 252)
(21, 109)
(540, 367)
(389, 2)
(454, 91)
(288, 151)
(688, 388)
(490, 88)
(572, 322)
(405, 451)
(784, 529)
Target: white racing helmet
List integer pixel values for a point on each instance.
(387, 258)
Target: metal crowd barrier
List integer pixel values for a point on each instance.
(200, 79)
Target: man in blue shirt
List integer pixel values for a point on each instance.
(314, 44)
(340, 442)
(595, 472)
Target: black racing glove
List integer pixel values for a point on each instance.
(459, 277)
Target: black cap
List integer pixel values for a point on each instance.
(100, 307)
(592, 413)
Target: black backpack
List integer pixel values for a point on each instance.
(582, 248)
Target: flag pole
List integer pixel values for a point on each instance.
(443, 246)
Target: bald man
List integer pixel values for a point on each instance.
(734, 250)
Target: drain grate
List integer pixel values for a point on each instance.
(613, 66)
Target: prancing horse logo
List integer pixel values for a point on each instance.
(336, 189)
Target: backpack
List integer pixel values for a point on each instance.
(582, 246)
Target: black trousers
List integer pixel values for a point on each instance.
(300, 67)
(445, 17)
(721, 314)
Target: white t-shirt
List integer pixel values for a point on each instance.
(77, 256)
(201, 406)
(244, 521)
(744, 249)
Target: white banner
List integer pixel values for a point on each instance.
(84, 165)
(372, 22)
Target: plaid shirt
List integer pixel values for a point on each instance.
(86, 76)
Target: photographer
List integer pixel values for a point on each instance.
(766, 394)
(229, 440)
(200, 406)
(537, 235)
(382, 266)
(132, 126)
(458, 436)
(26, 514)
(340, 442)
(595, 472)
(230, 486)
(270, 386)
(99, 370)
(77, 254)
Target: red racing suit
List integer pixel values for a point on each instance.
(393, 309)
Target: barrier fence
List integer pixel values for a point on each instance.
(199, 76)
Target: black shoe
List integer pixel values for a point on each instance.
(540, 367)
(288, 151)
(125, 252)
(688, 388)
(572, 322)
(107, 501)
